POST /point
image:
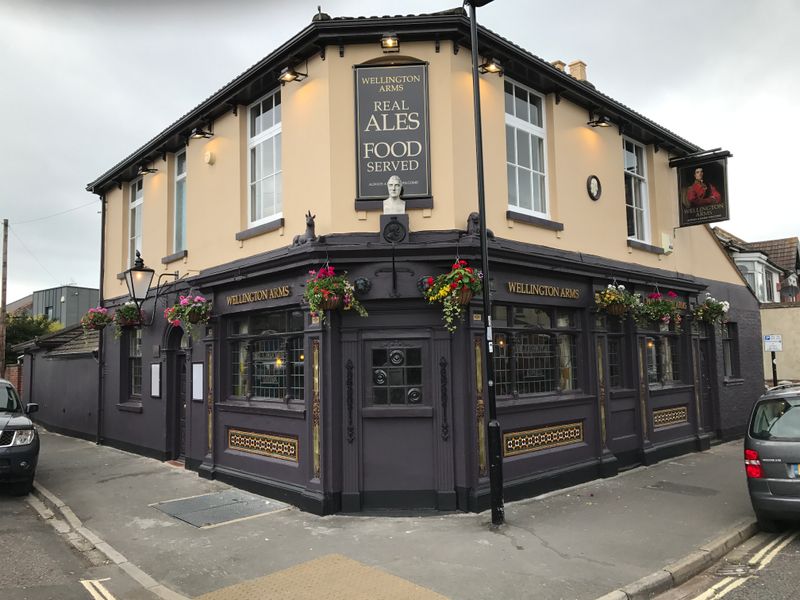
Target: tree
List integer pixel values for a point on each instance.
(22, 327)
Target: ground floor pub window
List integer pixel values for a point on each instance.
(663, 352)
(135, 361)
(730, 350)
(266, 356)
(535, 350)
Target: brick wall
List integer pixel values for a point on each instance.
(14, 375)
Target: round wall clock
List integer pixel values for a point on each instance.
(593, 187)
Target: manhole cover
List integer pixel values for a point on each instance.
(219, 507)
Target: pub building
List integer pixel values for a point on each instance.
(284, 171)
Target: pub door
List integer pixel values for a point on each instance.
(620, 401)
(707, 411)
(406, 458)
(176, 394)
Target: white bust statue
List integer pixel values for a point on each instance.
(394, 204)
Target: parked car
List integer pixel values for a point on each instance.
(19, 441)
(772, 455)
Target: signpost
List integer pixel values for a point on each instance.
(773, 343)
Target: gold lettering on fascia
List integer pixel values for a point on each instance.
(539, 289)
(282, 291)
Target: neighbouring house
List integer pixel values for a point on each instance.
(771, 268)
(261, 182)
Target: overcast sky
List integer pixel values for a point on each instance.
(83, 83)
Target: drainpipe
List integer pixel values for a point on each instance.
(100, 353)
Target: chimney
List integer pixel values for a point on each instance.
(577, 68)
(559, 64)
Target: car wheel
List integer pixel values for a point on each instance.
(766, 524)
(23, 488)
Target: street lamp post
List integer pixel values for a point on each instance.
(495, 451)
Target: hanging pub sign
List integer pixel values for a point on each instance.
(702, 188)
(392, 130)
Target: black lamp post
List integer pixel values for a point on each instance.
(495, 448)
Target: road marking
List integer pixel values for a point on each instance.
(758, 555)
(96, 589)
(772, 554)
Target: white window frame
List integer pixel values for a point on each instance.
(252, 142)
(135, 200)
(643, 182)
(179, 225)
(540, 132)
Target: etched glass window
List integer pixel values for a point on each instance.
(397, 376)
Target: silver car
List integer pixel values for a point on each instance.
(772, 455)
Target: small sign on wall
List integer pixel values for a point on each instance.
(155, 380)
(773, 343)
(197, 381)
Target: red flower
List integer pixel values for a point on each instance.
(454, 267)
(430, 280)
(463, 263)
(654, 296)
(454, 285)
(468, 269)
(325, 293)
(672, 294)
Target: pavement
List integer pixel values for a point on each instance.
(627, 537)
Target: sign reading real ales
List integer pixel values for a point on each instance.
(392, 130)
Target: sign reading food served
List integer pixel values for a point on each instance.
(392, 130)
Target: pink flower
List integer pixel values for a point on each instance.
(184, 301)
(672, 294)
(199, 299)
(654, 296)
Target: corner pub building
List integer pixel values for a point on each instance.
(263, 182)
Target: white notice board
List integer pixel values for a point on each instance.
(773, 343)
(197, 381)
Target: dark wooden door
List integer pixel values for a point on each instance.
(398, 424)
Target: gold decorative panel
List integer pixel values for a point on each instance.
(670, 416)
(533, 440)
(265, 444)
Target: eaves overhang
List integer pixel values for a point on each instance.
(325, 37)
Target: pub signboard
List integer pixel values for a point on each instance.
(702, 188)
(392, 135)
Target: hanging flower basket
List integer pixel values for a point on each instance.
(127, 316)
(454, 290)
(189, 310)
(711, 310)
(96, 319)
(615, 300)
(465, 296)
(660, 309)
(325, 290)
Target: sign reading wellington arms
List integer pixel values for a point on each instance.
(282, 291)
(392, 130)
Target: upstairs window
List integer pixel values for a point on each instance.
(135, 220)
(180, 202)
(525, 154)
(265, 160)
(635, 190)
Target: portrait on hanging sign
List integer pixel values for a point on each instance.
(703, 192)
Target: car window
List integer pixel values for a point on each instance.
(9, 402)
(778, 418)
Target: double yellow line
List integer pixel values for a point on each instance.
(96, 589)
(760, 560)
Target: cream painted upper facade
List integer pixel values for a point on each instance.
(319, 174)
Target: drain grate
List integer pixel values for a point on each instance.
(218, 508)
(733, 570)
